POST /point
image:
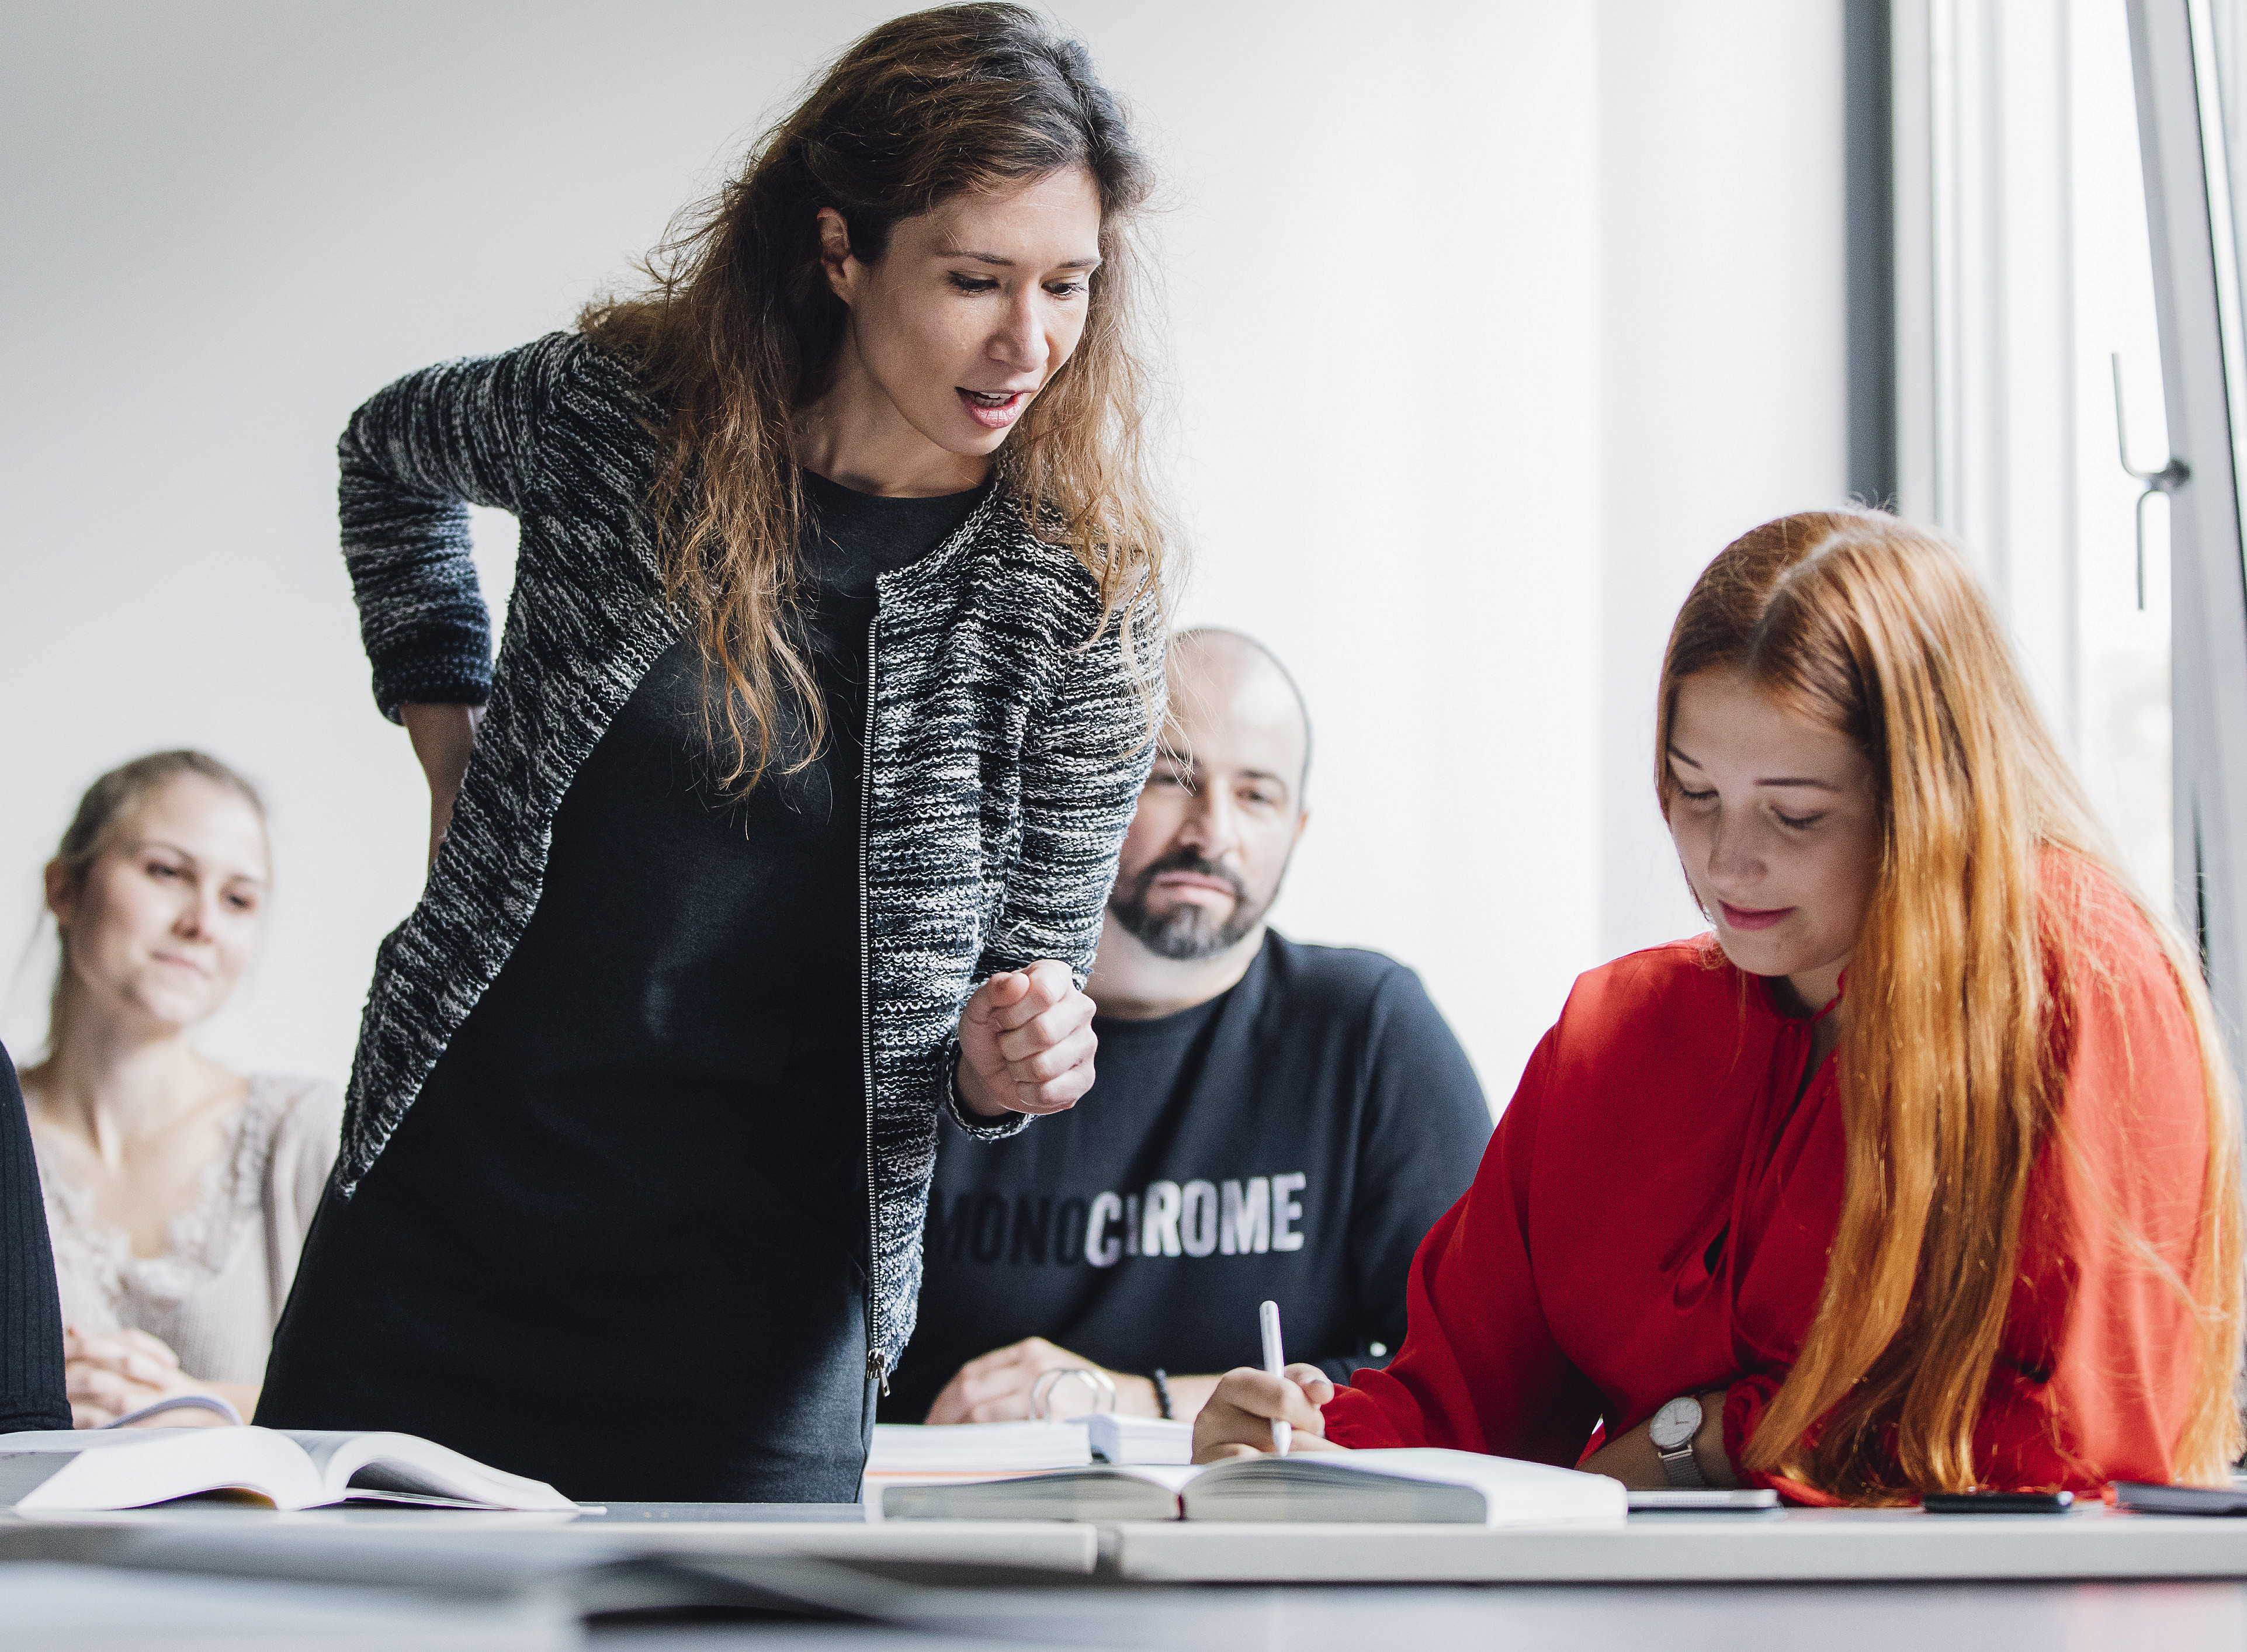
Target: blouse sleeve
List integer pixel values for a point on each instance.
(1423, 1131)
(31, 1391)
(1479, 1370)
(412, 459)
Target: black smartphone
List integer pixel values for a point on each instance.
(1997, 1502)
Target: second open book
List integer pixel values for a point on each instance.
(295, 1469)
(1420, 1485)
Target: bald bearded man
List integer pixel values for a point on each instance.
(1270, 1120)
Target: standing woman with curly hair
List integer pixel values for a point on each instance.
(787, 815)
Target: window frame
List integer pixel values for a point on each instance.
(2196, 285)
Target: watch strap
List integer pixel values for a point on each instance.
(1682, 1469)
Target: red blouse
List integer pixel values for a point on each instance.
(1653, 1214)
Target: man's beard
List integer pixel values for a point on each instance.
(1188, 931)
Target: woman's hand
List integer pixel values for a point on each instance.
(1238, 1420)
(443, 737)
(1026, 1043)
(107, 1374)
(1632, 1459)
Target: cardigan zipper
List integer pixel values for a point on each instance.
(877, 1363)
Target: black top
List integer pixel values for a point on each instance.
(1294, 1138)
(619, 1242)
(694, 951)
(32, 1395)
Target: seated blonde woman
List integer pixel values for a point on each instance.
(1918, 1173)
(177, 1192)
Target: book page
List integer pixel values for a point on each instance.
(1502, 1476)
(131, 1469)
(1412, 1484)
(71, 1442)
(24, 1472)
(1172, 1476)
(378, 1461)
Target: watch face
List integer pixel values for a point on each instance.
(1675, 1423)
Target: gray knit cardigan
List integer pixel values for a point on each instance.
(1007, 743)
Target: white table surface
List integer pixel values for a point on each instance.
(1894, 1581)
(1798, 1545)
(1795, 1545)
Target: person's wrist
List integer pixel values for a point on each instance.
(1716, 1464)
(969, 1085)
(1134, 1395)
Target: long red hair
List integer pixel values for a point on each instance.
(1958, 990)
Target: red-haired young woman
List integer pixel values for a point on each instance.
(1919, 1173)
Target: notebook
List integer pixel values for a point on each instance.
(977, 1448)
(96, 1469)
(1417, 1485)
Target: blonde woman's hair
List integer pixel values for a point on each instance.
(1958, 985)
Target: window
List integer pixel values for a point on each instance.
(2187, 59)
(2061, 324)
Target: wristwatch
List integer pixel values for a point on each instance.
(1673, 1430)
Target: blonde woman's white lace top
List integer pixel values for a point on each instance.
(216, 1292)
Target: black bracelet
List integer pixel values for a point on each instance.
(1162, 1392)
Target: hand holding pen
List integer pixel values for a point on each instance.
(1275, 1408)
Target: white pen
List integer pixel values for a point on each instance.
(1275, 1361)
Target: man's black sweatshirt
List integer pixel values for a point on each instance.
(1293, 1138)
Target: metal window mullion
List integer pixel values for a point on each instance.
(2197, 294)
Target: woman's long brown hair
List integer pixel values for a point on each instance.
(737, 332)
(1958, 987)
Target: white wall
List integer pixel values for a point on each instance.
(1722, 356)
(1490, 324)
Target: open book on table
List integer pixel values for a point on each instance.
(291, 1468)
(1418, 1486)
